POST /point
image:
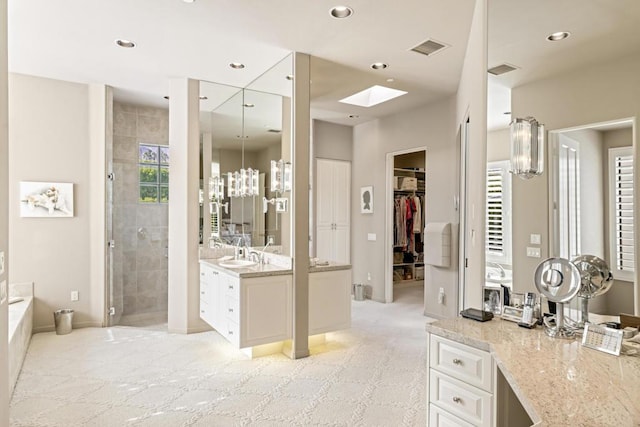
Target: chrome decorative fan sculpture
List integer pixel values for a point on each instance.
(595, 278)
(558, 279)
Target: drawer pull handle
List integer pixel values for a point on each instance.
(201, 292)
(230, 332)
(230, 286)
(202, 311)
(231, 310)
(456, 399)
(457, 362)
(202, 274)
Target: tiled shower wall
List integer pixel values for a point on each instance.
(140, 229)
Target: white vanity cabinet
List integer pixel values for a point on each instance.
(329, 301)
(460, 386)
(246, 311)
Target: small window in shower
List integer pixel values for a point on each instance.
(153, 173)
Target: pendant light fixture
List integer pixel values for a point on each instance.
(527, 147)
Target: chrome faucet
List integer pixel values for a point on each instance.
(239, 249)
(503, 273)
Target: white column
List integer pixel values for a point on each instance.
(4, 216)
(184, 206)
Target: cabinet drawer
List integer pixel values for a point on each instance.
(207, 274)
(465, 363)
(232, 309)
(441, 418)
(460, 399)
(231, 332)
(232, 287)
(205, 290)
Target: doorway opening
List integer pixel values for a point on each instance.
(406, 217)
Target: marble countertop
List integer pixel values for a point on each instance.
(558, 382)
(263, 270)
(332, 266)
(258, 270)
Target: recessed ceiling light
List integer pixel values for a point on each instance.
(125, 43)
(373, 96)
(560, 35)
(379, 65)
(236, 65)
(249, 105)
(341, 12)
(189, 1)
(353, 116)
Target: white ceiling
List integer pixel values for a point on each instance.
(74, 40)
(601, 30)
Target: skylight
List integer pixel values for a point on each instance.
(373, 96)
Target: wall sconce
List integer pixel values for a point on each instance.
(280, 176)
(216, 189)
(527, 147)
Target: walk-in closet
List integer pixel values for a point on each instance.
(409, 215)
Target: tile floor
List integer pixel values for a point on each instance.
(370, 375)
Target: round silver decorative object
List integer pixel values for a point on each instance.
(558, 279)
(595, 279)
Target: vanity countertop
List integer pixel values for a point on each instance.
(331, 266)
(258, 270)
(558, 382)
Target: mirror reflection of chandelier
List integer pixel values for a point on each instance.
(243, 183)
(527, 147)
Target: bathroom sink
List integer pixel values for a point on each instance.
(237, 263)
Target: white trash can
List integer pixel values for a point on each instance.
(63, 320)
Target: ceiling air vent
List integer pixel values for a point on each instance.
(429, 47)
(501, 69)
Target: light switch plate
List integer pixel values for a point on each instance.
(533, 252)
(371, 237)
(534, 239)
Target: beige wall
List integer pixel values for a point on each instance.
(562, 102)
(4, 221)
(49, 141)
(332, 141)
(498, 147)
(431, 126)
(471, 102)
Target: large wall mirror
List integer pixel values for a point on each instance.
(589, 114)
(245, 129)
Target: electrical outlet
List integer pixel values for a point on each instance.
(270, 240)
(441, 296)
(534, 239)
(2, 262)
(369, 276)
(74, 296)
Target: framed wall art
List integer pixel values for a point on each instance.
(46, 199)
(366, 200)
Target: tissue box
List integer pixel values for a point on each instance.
(408, 183)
